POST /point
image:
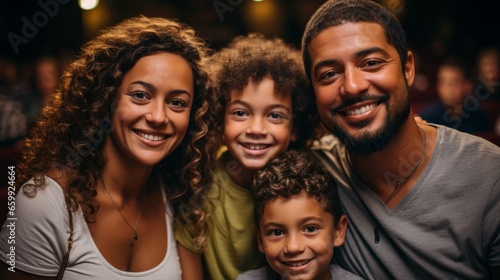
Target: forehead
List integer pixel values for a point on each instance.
(449, 72)
(348, 38)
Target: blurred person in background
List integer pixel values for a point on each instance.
(453, 109)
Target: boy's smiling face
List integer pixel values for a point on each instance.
(258, 124)
(297, 236)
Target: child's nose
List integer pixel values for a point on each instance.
(293, 244)
(256, 126)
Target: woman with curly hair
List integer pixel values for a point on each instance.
(125, 138)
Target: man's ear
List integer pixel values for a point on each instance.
(256, 231)
(340, 231)
(410, 69)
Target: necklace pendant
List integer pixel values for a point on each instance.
(133, 238)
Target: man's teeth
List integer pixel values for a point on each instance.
(299, 263)
(152, 137)
(255, 146)
(361, 110)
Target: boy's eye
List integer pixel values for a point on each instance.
(310, 228)
(275, 232)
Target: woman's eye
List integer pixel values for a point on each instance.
(178, 103)
(139, 95)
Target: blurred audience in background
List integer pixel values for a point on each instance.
(457, 107)
(46, 73)
(488, 64)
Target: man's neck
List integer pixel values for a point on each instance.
(392, 172)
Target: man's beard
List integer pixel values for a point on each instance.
(370, 142)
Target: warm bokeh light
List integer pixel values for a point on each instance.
(88, 4)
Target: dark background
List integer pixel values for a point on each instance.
(434, 28)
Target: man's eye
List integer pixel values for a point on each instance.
(328, 75)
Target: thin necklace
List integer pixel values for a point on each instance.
(396, 189)
(134, 236)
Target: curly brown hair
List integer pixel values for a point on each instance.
(253, 58)
(290, 174)
(69, 133)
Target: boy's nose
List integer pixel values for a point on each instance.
(293, 244)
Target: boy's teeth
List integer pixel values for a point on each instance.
(361, 110)
(151, 137)
(296, 264)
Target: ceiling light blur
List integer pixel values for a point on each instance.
(88, 4)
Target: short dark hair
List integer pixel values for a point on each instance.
(290, 174)
(253, 58)
(337, 12)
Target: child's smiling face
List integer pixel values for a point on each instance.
(258, 124)
(297, 235)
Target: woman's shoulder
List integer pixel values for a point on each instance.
(39, 197)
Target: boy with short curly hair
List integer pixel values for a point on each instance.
(299, 220)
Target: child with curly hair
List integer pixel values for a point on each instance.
(125, 138)
(299, 220)
(264, 108)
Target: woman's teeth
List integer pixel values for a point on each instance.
(151, 137)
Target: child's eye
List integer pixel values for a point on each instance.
(310, 228)
(276, 116)
(239, 113)
(275, 232)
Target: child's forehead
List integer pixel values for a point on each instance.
(299, 201)
(255, 91)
